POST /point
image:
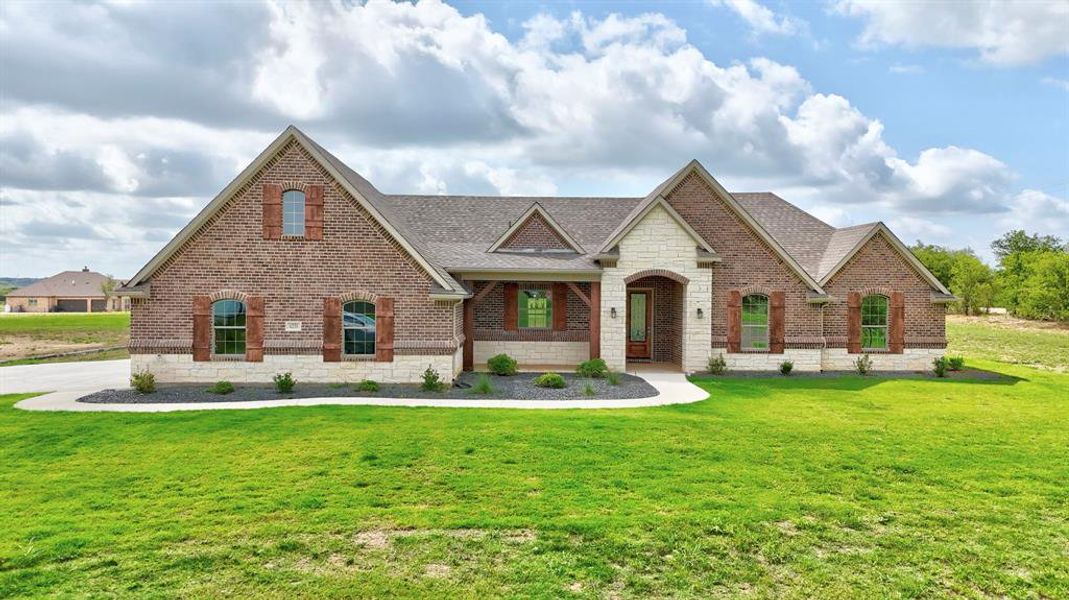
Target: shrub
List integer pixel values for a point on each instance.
(717, 365)
(956, 363)
(939, 366)
(786, 367)
(863, 364)
(588, 390)
(284, 382)
(368, 385)
(483, 385)
(221, 387)
(143, 381)
(502, 364)
(594, 367)
(550, 380)
(432, 381)
(612, 377)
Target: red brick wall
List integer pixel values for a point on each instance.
(667, 318)
(490, 315)
(878, 268)
(293, 275)
(748, 263)
(536, 233)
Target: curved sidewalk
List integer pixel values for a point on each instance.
(672, 388)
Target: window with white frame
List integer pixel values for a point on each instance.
(293, 213)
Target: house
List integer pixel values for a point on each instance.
(302, 265)
(69, 291)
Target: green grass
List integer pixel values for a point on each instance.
(1043, 348)
(778, 487)
(114, 354)
(34, 334)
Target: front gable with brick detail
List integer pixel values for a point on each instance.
(301, 265)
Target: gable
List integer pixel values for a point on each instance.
(535, 234)
(733, 234)
(292, 140)
(882, 257)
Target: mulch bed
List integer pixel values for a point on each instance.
(962, 374)
(516, 387)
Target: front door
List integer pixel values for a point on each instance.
(638, 324)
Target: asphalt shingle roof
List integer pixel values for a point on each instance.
(74, 284)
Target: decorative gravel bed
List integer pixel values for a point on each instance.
(516, 387)
(962, 374)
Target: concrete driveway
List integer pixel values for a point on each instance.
(88, 376)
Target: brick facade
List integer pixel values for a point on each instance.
(535, 233)
(293, 275)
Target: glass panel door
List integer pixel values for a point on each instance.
(638, 317)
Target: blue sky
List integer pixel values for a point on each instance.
(119, 120)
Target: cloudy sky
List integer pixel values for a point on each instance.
(118, 121)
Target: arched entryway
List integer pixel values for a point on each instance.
(654, 318)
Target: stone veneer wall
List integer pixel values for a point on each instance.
(657, 242)
(911, 359)
(180, 368)
(804, 359)
(533, 353)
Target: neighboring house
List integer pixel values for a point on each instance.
(69, 291)
(301, 265)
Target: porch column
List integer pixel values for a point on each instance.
(469, 334)
(595, 319)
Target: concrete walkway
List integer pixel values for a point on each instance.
(65, 377)
(672, 388)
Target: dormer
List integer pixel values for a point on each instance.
(536, 231)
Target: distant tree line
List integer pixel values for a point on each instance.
(1030, 281)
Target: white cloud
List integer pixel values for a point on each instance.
(420, 98)
(1062, 84)
(1034, 210)
(761, 19)
(906, 69)
(1004, 32)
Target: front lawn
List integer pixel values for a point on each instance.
(24, 335)
(1007, 339)
(774, 487)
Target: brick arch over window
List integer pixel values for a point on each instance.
(656, 273)
(755, 290)
(359, 295)
(876, 291)
(294, 185)
(229, 295)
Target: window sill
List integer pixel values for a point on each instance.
(875, 351)
(228, 357)
(357, 357)
(293, 237)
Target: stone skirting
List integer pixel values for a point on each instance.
(911, 359)
(180, 368)
(803, 359)
(532, 353)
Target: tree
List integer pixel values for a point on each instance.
(108, 285)
(1018, 241)
(1044, 292)
(973, 282)
(939, 260)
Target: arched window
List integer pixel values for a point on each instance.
(755, 322)
(358, 327)
(228, 327)
(874, 322)
(293, 213)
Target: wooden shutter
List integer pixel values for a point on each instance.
(776, 325)
(384, 330)
(595, 319)
(734, 321)
(469, 334)
(511, 298)
(254, 329)
(313, 213)
(897, 324)
(560, 306)
(272, 211)
(853, 322)
(202, 328)
(331, 329)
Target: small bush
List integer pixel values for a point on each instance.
(502, 364)
(613, 378)
(550, 380)
(717, 365)
(368, 385)
(786, 367)
(863, 364)
(284, 382)
(221, 387)
(939, 366)
(432, 381)
(594, 367)
(143, 381)
(483, 385)
(588, 390)
(956, 363)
